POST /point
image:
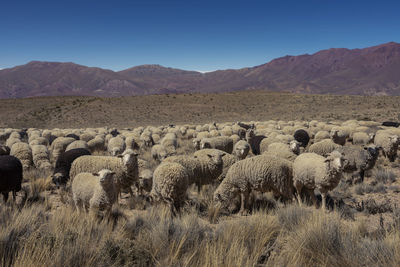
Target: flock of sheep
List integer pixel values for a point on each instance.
(291, 159)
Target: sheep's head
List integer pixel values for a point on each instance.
(224, 195)
(116, 151)
(205, 144)
(336, 161)
(394, 139)
(294, 146)
(334, 133)
(129, 157)
(249, 134)
(58, 179)
(371, 137)
(105, 176)
(196, 143)
(242, 148)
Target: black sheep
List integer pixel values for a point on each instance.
(10, 176)
(254, 141)
(246, 126)
(302, 137)
(73, 136)
(63, 165)
(4, 150)
(390, 124)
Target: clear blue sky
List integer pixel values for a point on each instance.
(193, 35)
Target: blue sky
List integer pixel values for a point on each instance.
(193, 35)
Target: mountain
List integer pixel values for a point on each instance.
(368, 71)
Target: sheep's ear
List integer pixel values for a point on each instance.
(120, 156)
(327, 160)
(95, 174)
(209, 155)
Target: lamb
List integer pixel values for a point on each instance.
(241, 149)
(63, 165)
(77, 144)
(223, 143)
(312, 171)
(359, 159)
(323, 147)
(260, 173)
(23, 152)
(302, 136)
(95, 192)
(389, 144)
(41, 157)
(338, 137)
(125, 167)
(170, 183)
(254, 141)
(10, 176)
(362, 138)
(202, 168)
(116, 146)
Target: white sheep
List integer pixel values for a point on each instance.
(77, 144)
(116, 146)
(241, 149)
(125, 167)
(41, 157)
(224, 143)
(170, 183)
(95, 192)
(362, 138)
(323, 147)
(59, 145)
(389, 143)
(312, 171)
(260, 173)
(23, 152)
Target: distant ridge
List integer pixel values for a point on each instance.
(368, 71)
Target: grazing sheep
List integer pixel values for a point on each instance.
(312, 171)
(63, 165)
(338, 137)
(59, 145)
(10, 176)
(223, 143)
(323, 147)
(116, 146)
(389, 144)
(170, 183)
(41, 157)
(125, 166)
(77, 144)
(302, 136)
(254, 141)
(4, 150)
(362, 138)
(23, 152)
(241, 149)
(359, 159)
(202, 168)
(260, 173)
(95, 192)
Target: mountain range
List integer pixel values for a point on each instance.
(368, 71)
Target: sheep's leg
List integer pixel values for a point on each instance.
(362, 173)
(323, 194)
(244, 200)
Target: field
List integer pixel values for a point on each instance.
(360, 228)
(77, 112)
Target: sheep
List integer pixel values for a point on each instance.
(260, 173)
(10, 176)
(359, 159)
(312, 171)
(389, 144)
(170, 183)
(77, 144)
(202, 168)
(131, 143)
(41, 157)
(362, 138)
(23, 152)
(147, 139)
(321, 135)
(95, 192)
(338, 137)
(246, 126)
(76, 137)
(323, 147)
(59, 145)
(288, 152)
(86, 137)
(158, 152)
(390, 124)
(96, 144)
(254, 141)
(11, 141)
(125, 166)
(4, 150)
(241, 149)
(145, 181)
(302, 136)
(227, 159)
(116, 146)
(223, 143)
(63, 165)
(38, 141)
